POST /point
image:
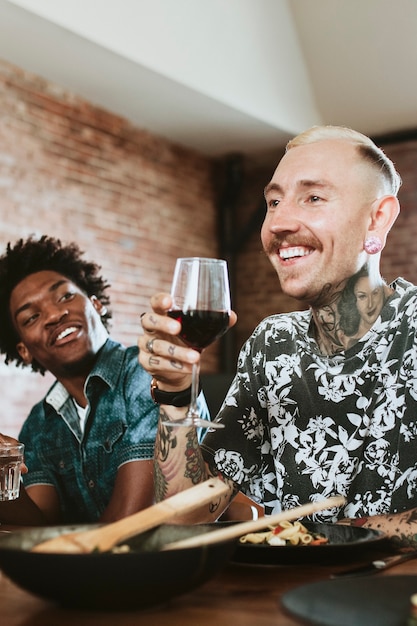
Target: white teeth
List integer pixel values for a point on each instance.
(66, 332)
(290, 253)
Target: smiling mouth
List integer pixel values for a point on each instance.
(65, 333)
(294, 252)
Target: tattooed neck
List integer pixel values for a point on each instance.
(349, 312)
(327, 329)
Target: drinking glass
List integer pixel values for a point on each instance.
(201, 303)
(11, 459)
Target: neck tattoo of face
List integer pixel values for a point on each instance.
(352, 312)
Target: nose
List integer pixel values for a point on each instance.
(54, 313)
(282, 218)
(370, 301)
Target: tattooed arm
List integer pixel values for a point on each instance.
(179, 465)
(401, 528)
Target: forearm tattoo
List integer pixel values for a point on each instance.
(401, 528)
(194, 463)
(165, 440)
(166, 469)
(160, 483)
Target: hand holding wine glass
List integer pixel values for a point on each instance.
(201, 303)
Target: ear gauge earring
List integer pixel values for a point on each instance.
(372, 245)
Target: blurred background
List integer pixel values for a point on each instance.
(147, 129)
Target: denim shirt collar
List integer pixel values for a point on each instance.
(107, 369)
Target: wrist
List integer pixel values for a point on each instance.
(173, 398)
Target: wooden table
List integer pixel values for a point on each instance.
(241, 595)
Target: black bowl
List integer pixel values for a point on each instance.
(141, 578)
(346, 543)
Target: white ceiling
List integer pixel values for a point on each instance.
(226, 75)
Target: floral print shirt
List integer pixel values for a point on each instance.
(301, 426)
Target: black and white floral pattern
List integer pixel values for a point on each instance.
(301, 426)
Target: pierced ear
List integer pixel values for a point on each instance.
(24, 353)
(383, 216)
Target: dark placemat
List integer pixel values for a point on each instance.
(363, 601)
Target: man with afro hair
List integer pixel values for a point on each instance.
(89, 442)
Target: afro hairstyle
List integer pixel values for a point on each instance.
(35, 255)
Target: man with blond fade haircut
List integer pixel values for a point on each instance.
(321, 404)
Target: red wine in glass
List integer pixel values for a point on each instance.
(201, 303)
(200, 328)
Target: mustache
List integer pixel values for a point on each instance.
(291, 241)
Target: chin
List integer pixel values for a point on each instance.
(290, 288)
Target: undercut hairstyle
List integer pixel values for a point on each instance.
(367, 149)
(32, 255)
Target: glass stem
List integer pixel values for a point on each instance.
(195, 383)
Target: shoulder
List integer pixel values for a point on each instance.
(403, 302)
(35, 423)
(283, 325)
(115, 358)
(276, 334)
(129, 373)
(115, 350)
(404, 289)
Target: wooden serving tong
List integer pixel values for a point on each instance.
(237, 530)
(107, 536)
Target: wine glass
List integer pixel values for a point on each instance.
(201, 303)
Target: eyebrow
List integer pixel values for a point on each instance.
(272, 187)
(51, 289)
(303, 183)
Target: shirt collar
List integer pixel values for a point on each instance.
(107, 368)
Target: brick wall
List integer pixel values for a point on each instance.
(134, 202)
(400, 255)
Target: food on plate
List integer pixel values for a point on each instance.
(286, 534)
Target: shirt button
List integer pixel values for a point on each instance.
(61, 464)
(91, 484)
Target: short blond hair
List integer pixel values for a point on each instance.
(367, 149)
